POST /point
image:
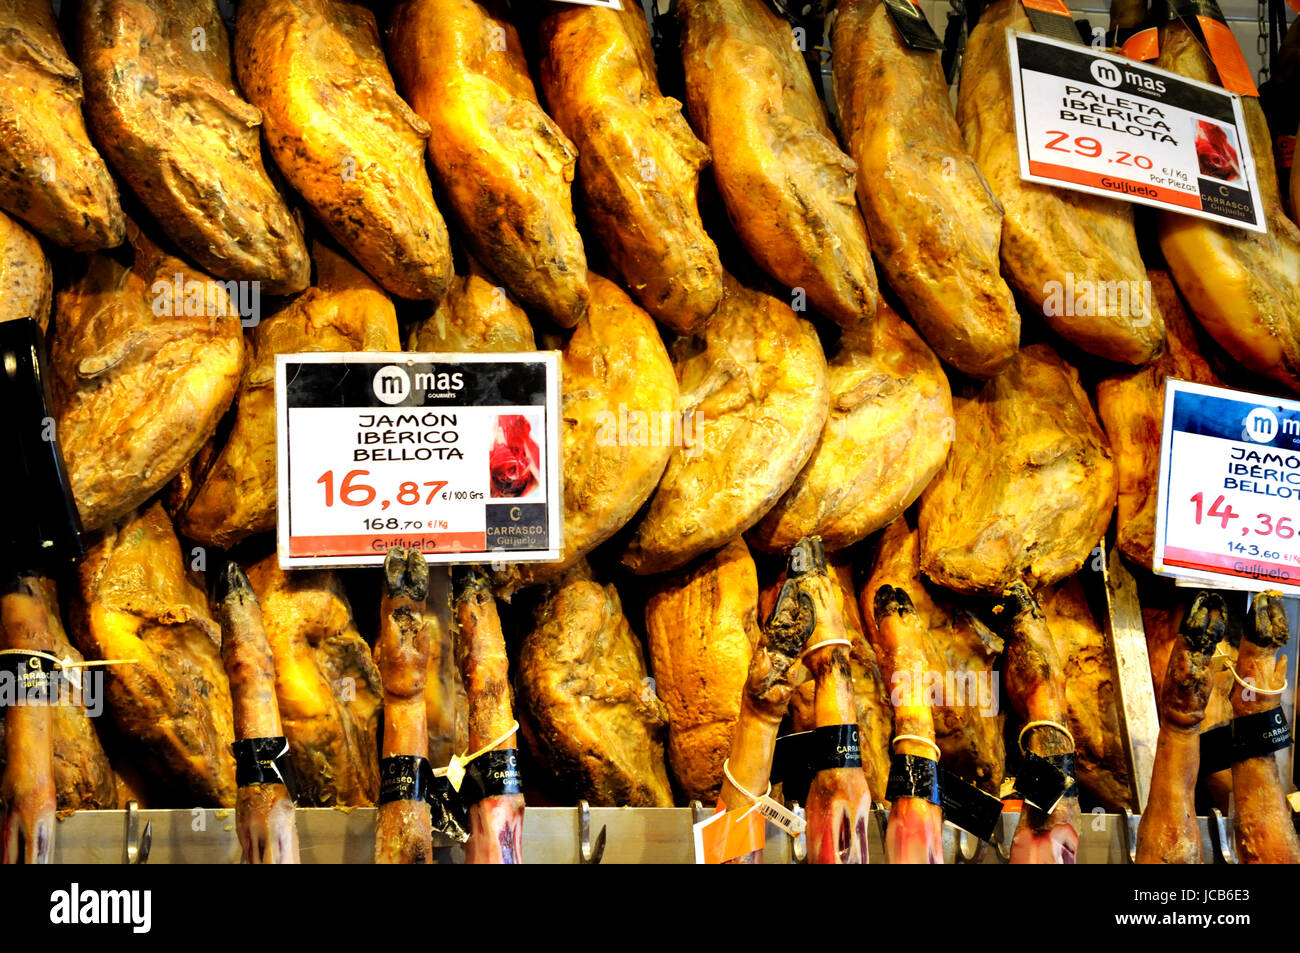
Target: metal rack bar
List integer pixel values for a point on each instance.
(552, 835)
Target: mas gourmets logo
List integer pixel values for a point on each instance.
(1260, 425)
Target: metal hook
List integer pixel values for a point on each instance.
(1128, 829)
(1003, 854)
(959, 854)
(698, 813)
(881, 814)
(137, 846)
(589, 854)
(799, 844)
(1220, 842)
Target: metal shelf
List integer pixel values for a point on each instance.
(551, 836)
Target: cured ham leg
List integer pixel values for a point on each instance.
(1168, 832)
(772, 679)
(497, 821)
(839, 801)
(264, 814)
(788, 188)
(27, 787)
(403, 826)
(936, 236)
(915, 831)
(1264, 832)
(1035, 679)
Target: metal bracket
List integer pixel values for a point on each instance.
(959, 854)
(1128, 832)
(137, 845)
(799, 844)
(881, 814)
(1220, 838)
(698, 813)
(586, 852)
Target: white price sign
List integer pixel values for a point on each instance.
(456, 455)
(1108, 125)
(1229, 506)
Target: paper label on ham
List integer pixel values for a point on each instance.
(726, 835)
(966, 806)
(777, 813)
(1044, 781)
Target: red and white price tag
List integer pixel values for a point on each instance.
(1095, 122)
(456, 455)
(1228, 512)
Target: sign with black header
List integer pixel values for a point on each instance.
(1107, 125)
(1228, 508)
(456, 455)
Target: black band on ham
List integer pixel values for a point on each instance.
(1259, 734)
(33, 676)
(491, 774)
(1216, 749)
(911, 775)
(799, 756)
(403, 777)
(264, 761)
(836, 746)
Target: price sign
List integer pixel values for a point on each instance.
(456, 455)
(1229, 506)
(1093, 122)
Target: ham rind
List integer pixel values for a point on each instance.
(915, 831)
(773, 675)
(497, 821)
(264, 813)
(404, 828)
(1035, 680)
(1264, 832)
(27, 787)
(1168, 832)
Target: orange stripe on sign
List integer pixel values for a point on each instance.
(1234, 74)
(1250, 568)
(1049, 6)
(1143, 46)
(1112, 183)
(370, 545)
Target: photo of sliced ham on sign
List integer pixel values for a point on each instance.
(1216, 152)
(515, 462)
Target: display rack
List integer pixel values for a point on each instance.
(552, 835)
